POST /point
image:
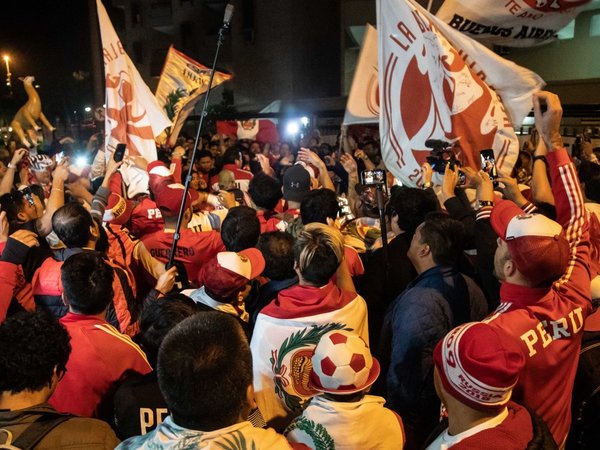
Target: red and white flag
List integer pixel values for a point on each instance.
(437, 83)
(363, 100)
(182, 83)
(262, 130)
(133, 116)
(513, 23)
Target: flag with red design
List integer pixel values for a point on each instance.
(133, 115)
(363, 99)
(513, 23)
(436, 83)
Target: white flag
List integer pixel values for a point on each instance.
(363, 100)
(513, 23)
(133, 116)
(437, 83)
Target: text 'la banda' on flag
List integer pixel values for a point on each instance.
(436, 83)
(133, 116)
(182, 83)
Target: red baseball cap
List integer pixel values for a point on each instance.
(479, 365)
(537, 244)
(228, 272)
(167, 193)
(118, 210)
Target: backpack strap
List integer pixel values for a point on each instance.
(35, 432)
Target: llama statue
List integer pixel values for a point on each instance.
(25, 121)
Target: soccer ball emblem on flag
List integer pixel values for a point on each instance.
(342, 363)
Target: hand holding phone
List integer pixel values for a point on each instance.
(488, 163)
(119, 152)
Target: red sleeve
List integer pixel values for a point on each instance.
(8, 281)
(572, 215)
(116, 181)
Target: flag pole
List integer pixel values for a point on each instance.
(429, 5)
(188, 179)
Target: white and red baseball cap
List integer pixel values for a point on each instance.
(225, 275)
(167, 193)
(537, 244)
(479, 365)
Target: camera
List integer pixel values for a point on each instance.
(374, 177)
(441, 154)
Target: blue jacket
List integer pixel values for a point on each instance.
(438, 300)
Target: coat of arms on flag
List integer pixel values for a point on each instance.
(182, 83)
(133, 116)
(436, 83)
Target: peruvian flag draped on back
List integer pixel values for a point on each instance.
(133, 116)
(436, 83)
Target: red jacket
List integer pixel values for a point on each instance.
(101, 357)
(549, 321)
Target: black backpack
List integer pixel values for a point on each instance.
(585, 406)
(34, 433)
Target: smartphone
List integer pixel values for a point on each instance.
(119, 152)
(488, 163)
(374, 177)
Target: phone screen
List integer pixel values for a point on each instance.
(488, 163)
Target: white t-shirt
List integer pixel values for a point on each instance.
(445, 440)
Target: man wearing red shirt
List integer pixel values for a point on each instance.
(194, 248)
(544, 269)
(101, 357)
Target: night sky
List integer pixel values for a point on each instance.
(50, 40)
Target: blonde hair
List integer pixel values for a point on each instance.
(314, 236)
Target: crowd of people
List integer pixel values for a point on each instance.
(280, 323)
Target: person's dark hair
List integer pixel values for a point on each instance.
(87, 283)
(12, 203)
(232, 154)
(411, 205)
(445, 237)
(158, 318)
(277, 248)
(318, 205)
(204, 154)
(318, 252)
(71, 223)
(240, 229)
(204, 370)
(265, 191)
(32, 345)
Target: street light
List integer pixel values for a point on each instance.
(8, 74)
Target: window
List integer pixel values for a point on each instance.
(595, 25)
(567, 32)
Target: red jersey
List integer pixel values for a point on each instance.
(101, 357)
(193, 249)
(146, 218)
(353, 261)
(548, 322)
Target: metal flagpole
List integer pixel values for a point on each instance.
(226, 21)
